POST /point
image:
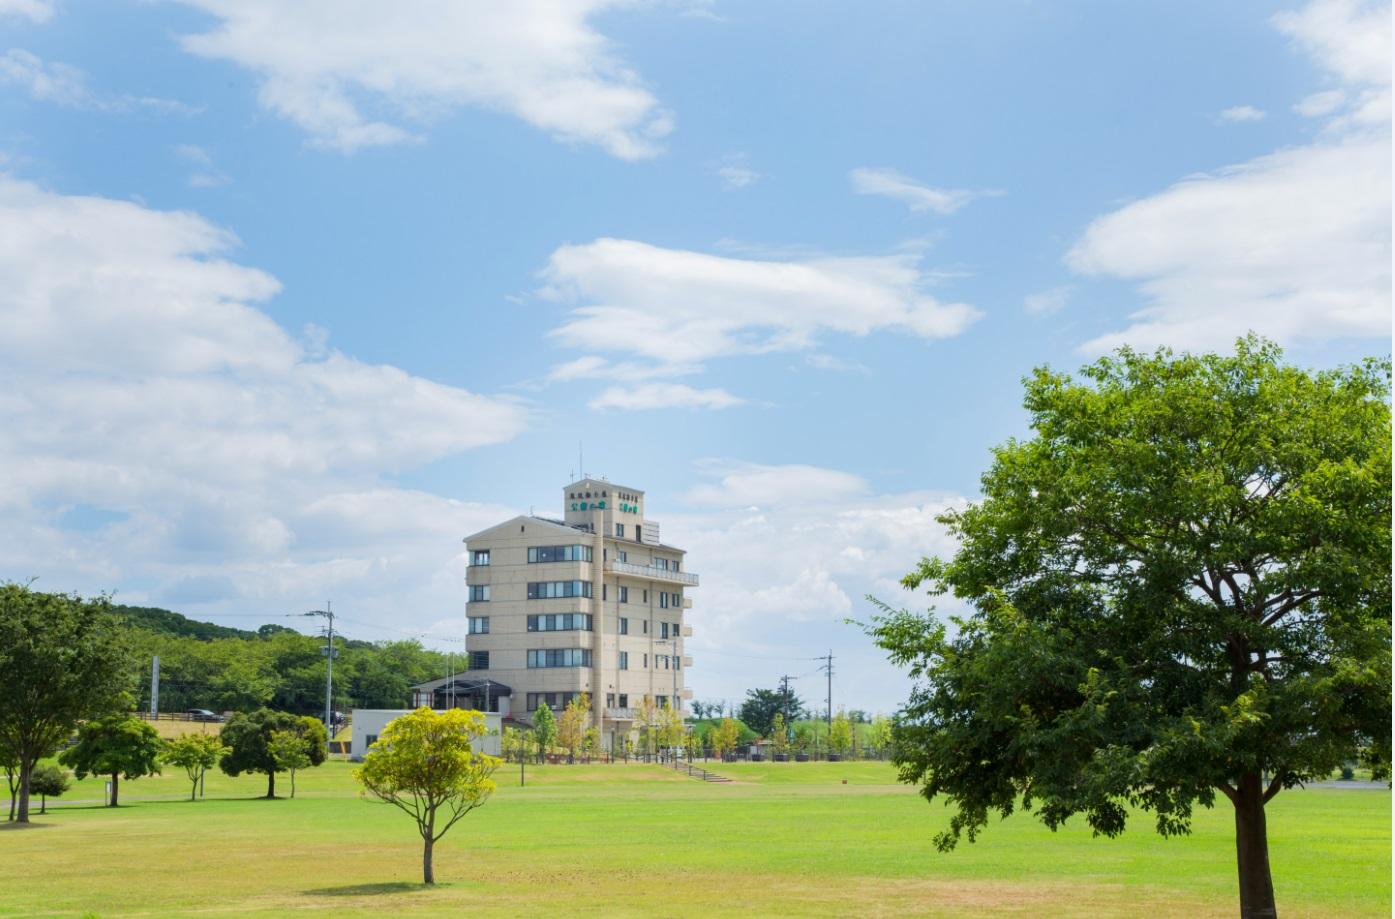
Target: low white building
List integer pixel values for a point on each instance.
(368, 723)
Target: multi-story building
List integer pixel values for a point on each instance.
(592, 603)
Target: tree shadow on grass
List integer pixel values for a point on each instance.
(366, 890)
(16, 825)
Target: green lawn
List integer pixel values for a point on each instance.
(781, 839)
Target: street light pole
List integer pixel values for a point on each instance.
(328, 614)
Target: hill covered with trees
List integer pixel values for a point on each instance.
(203, 665)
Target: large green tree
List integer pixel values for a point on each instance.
(62, 660)
(248, 737)
(121, 746)
(1179, 591)
(761, 706)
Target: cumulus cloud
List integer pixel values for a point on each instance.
(785, 554)
(674, 306)
(33, 10)
(145, 389)
(1242, 113)
(888, 183)
(326, 64)
(749, 485)
(1295, 244)
(1047, 302)
(662, 395)
(205, 174)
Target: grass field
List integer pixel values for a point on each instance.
(781, 840)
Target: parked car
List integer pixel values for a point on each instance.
(203, 714)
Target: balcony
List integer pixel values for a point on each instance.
(687, 603)
(651, 573)
(687, 661)
(620, 714)
(687, 631)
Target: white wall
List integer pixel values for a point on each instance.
(369, 722)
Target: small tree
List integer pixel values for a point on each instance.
(424, 764)
(724, 737)
(571, 727)
(195, 754)
(591, 743)
(119, 746)
(840, 734)
(48, 781)
(880, 735)
(512, 743)
(544, 729)
(693, 744)
(647, 721)
(670, 727)
(803, 738)
(248, 737)
(288, 749)
(779, 735)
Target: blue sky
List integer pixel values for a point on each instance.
(298, 295)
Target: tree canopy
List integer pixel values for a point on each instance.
(62, 660)
(195, 754)
(424, 764)
(121, 746)
(761, 706)
(1179, 588)
(248, 737)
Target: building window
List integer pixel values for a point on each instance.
(624, 660)
(560, 622)
(622, 555)
(676, 599)
(372, 739)
(624, 700)
(663, 600)
(543, 554)
(479, 557)
(479, 625)
(624, 594)
(479, 593)
(646, 596)
(619, 531)
(663, 629)
(645, 623)
(553, 700)
(552, 590)
(661, 701)
(479, 660)
(605, 591)
(661, 563)
(610, 700)
(624, 626)
(559, 657)
(677, 662)
(646, 662)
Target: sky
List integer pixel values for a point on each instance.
(296, 296)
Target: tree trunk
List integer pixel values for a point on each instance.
(43, 804)
(292, 783)
(25, 769)
(270, 785)
(428, 876)
(1252, 850)
(115, 778)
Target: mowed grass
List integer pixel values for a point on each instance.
(783, 839)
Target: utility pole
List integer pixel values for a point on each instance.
(828, 713)
(155, 687)
(785, 699)
(328, 614)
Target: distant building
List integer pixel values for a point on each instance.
(591, 603)
(368, 724)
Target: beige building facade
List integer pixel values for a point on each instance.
(593, 602)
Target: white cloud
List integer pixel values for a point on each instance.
(33, 10)
(888, 183)
(207, 175)
(835, 364)
(785, 554)
(324, 64)
(63, 84)
(748, 485)
(142, 383)
(46, 82)
(734, 177)
(662, 395)
(594, 367)
(1242, 113)
(1294, 245)
(1318, 104)
(680, 307)
(1047, 302)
